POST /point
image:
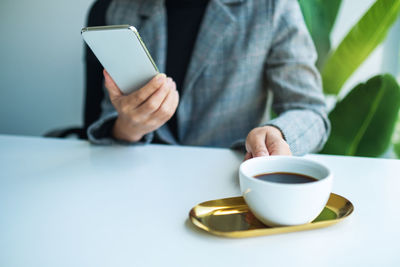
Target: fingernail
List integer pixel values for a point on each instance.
(161, 77)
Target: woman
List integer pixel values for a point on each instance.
(220, 58)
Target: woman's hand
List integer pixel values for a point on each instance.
(144, 110)
(265, 141)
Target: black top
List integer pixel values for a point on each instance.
(184, 19)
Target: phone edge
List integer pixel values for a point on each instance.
(108, 27)
(124, 26)
(135, 31)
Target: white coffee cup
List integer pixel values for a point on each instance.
(283, 204)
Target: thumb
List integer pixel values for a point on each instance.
(255, 144)
(113, 90)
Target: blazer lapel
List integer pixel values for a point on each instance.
(217, 20)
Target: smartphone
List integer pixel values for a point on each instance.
(123, 54)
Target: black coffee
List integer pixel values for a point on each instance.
(285, 178)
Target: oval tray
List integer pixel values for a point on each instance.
(231, 217)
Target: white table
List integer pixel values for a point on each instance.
(68, 203)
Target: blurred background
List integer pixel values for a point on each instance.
(41, 65)
(41, 61)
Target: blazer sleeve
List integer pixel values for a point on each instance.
(100, 132)
(295, 82)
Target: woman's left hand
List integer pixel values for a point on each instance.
(266, 141)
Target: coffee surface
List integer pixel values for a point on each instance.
(285, 178)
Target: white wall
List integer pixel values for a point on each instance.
(41, 64)
(41, 67)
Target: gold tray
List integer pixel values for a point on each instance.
(231, 217)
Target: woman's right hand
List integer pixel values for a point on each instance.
(144, 110)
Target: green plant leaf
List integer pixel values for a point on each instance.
(320, 16)
(363, 122)
(362, 39)
(396, 138)
(396, 148)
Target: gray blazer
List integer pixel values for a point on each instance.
(245, 49)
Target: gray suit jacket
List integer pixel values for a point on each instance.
(245, 49)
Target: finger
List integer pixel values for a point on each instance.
(112, 88)
(138, 97)
(279, 147)
(247, 156)
(153, 103)
(168, 106)
(255, 144)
